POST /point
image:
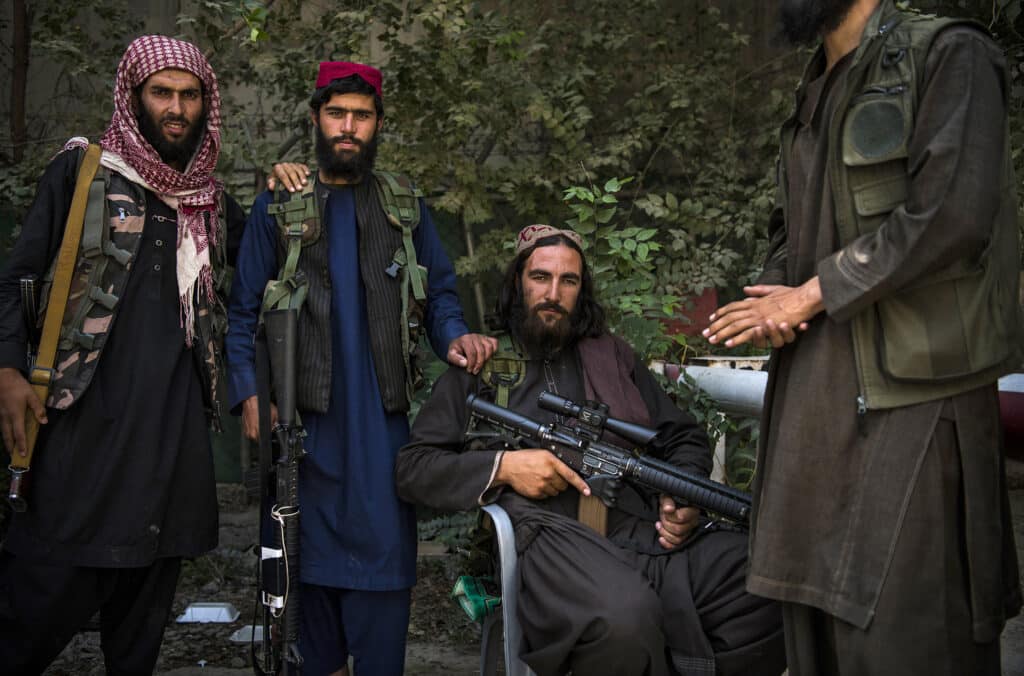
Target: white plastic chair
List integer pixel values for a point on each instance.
(493, 624)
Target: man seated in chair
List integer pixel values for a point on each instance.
(663, 591)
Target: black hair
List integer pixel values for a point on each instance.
(587, 318)
(352, 84)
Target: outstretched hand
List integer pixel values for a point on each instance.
(770, 315)
(471, 351)
(292, 175)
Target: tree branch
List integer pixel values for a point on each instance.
(19, 78)
(239, 26)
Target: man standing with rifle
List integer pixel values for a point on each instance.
(622, 591)
(358, 253)
(122, 483)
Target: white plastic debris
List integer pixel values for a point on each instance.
(209, 612)
(245, 634)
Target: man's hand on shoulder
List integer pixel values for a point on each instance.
(16, 398)
(292, 175)
(675, 522)
(537, 474)
(471, 351)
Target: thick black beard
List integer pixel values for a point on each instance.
(172, 152)
(539, 339)
(804, 22)
(345, 165)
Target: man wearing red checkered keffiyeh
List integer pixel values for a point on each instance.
(122, 478)
(189, 187)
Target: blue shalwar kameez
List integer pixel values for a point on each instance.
(357, 537)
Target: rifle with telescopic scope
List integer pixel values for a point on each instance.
(582, 449)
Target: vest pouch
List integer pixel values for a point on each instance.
(310, 232)
(877, 125)
(875, 141)
(946, 329)
(291, 207)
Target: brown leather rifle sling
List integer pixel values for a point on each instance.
(41, 374)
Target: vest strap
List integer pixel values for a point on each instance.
(93, 227)
(400, 201)
(86, 340)
(95, 243)
(120, 255)
(288, 291)
(107, 300)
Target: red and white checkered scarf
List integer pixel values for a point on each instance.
(195, 194)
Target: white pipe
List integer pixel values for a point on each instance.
(741, 391)
(737, 391)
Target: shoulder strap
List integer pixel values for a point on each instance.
(41, 374)
(505, 369)
(921, 30)
(97, 247)
(399, 198)
(290, 210)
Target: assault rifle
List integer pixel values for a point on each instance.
(17, 491)
(595, 460)
(278, 572)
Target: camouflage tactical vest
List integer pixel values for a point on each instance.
(112, 232)
(958, 328)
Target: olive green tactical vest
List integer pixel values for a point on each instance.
(112, 232)
(960, 327)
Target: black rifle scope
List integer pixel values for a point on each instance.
(631, 432)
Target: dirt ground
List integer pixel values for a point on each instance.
(442, 640)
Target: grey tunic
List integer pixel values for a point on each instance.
(835, 487)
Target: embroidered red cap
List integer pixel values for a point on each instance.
(333, 70)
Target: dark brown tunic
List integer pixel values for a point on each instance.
(615, 605)
(849, 504)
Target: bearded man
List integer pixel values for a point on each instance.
(357, 547)
(890, 293)
(663, 591)
(122, 481)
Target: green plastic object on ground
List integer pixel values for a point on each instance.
(473, 597)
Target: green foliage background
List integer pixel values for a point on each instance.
(649, 125)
